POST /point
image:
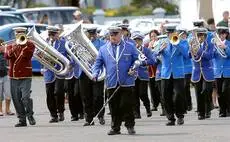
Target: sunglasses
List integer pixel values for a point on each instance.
(114, 33)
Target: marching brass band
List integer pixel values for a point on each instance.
(88, 64)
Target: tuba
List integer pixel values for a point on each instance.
(82, 50)
(47, 55)
(217, 43)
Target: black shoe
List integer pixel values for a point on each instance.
(113, 132)
(201, 117)
(53, 120)
(189, 108)
(88, 124)
(149, 113)
(208, 115)
(81, 116)
(131, 131)
(154, 109)
(31, 120)
(170, 123)
(61, 117)
(222, 115)
(180, 121)
(109, 113)
(162, 114)
(74, 118)
(101, 120)
(21, 124)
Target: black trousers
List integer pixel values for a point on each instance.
(154, 92)
(158, 87)
(141, 92)
(188, 98)
(223, 90)
(121, 106)
(203, 91)
(173, 96)
(92, 94)
(55, 97)
(74, 98)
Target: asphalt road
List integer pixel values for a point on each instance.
(148, 129)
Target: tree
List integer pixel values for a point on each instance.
(169, 7)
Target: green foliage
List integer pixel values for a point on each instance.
(88, 10)
(170, 8)
(32, 5)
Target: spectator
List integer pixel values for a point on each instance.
(224, 22)
(211, 24)
(77, 15)
(45, 20)
(125, 21)
(4, 84)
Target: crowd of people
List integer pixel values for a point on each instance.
(174, 58)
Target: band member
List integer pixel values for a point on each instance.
(118, 56)
(158, 45)
(154, 91)
(92, 92)
(19, 55)
(126, 35)
(172, 75)
(202, 72)
(221, 71)
(187, 71)
(73, 92)
(55, 83)
(141, 83)
(4, 84)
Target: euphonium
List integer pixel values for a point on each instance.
(217, 42)
(82, 50)
(194, 46)
(47, 55)
(160, 45)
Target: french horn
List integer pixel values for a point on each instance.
(47, 55)
(82, 50)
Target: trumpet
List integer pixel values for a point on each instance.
(217, 42)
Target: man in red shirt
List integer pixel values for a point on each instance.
(19, 55)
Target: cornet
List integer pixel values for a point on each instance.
(217, 43)
(21, 39)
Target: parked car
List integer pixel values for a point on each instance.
(7, 8)
(56, 15)
(9, 18)
(7, 34)
(17, 14)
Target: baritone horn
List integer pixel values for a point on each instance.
(82, 50)
(217, 43)
(47, 55)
